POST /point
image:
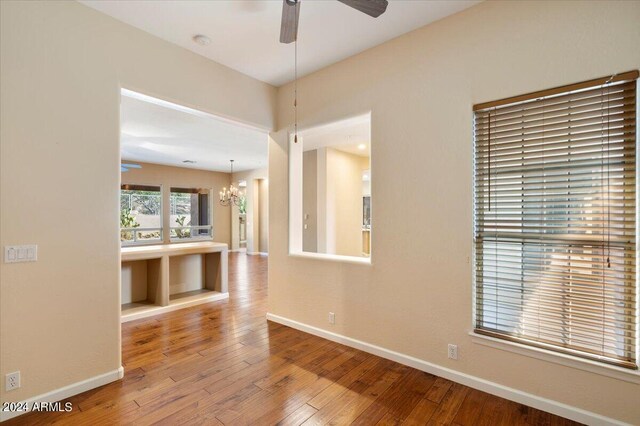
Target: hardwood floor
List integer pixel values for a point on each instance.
(223, 363)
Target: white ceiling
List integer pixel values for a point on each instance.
(245, 33)
(155, 131)
(345, 135)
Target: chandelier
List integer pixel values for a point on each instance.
(231, 196)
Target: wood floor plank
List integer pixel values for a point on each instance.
(209, 407)
(192, 384)
(536, 417)
(298, 417)
(288, 393)
(492, 412)
(421, 413)
(439, 390)
(223, 363)
(471, 407)
(516, 414)
(275, 406)
(339, 387)
(449, 406)
(164, 407)
(346, 407)
(399, 397)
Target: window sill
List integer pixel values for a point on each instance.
(333, 258)
(141, 243)
(190, 240)
(631, 376)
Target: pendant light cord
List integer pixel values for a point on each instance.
(295, 87)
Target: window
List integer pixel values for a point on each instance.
(140, 214)
(555, 220)
(190, 214)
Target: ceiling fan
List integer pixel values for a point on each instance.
(125, 167)
(291, 14)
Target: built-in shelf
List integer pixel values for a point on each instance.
(190, 294)
(200, 275)
(141, 284)
(195, 297)
(135, 308)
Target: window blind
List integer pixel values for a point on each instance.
(555, 219)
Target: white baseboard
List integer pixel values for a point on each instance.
(515, 395)
(67, 391)
(258, 253)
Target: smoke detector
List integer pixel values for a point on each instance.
(201, 39)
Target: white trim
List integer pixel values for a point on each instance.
(295, 159)
(258, 253)
(332, 257)
(295, 154)
(554, 407)
(183, 108)
(624, 374)
(67, 391)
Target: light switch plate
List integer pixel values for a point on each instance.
(24, 253)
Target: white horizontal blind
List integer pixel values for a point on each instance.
(555, 221)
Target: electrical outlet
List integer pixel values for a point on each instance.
(12, 381)
(332, 318)
(453, 351)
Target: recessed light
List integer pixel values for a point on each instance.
(202, 39)
(189, 161)
(362, 147)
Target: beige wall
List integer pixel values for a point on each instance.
(310, 201)
(416, 297)
(332, 191)
(344, 202)
(61, 68)
(263, 234)
(252, 178)
(134, 282)
(168, 177)
(186, 273)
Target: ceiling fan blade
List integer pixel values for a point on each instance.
(131, 166)
(373, 8)
(290, 17)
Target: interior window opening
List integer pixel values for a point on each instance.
(331, 197)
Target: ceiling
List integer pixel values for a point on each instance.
(159, 132)
(352, 135)
(245, 33)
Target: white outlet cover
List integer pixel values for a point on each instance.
(453, 351)
(12, 381)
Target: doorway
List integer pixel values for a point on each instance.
(182, 203)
